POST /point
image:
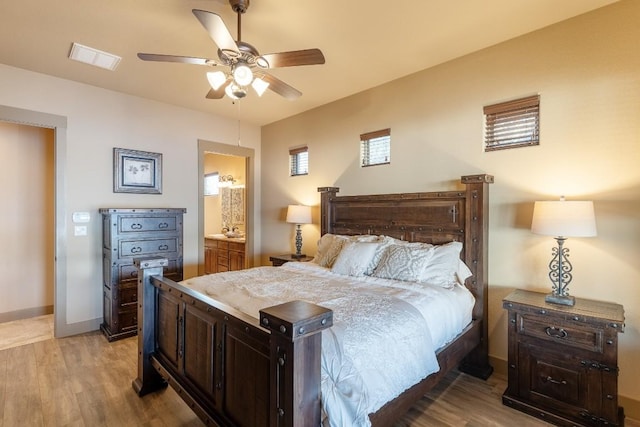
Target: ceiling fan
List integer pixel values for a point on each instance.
(246, 67)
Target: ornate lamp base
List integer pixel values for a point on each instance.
(560, 299)
(298, 254)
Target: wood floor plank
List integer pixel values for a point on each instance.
(85, 381)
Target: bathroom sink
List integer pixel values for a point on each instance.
(235, 235)
(230, 235)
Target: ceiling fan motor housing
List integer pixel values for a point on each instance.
(239, 6)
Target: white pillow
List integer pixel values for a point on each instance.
(442, 267)
(463, 272)
(354, 258)
(330, 245)
(403, 262)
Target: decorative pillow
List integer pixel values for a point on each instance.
(329, 249)
(383, 243)
(403, 262)
(323, 245)
(354, 258)
(329, 246)
(442, 267)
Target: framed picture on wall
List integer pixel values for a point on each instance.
(137, 171)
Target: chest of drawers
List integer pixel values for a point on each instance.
(563, 361)
(128, 234)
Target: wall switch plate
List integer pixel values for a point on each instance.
(80, 230)
(81, 217)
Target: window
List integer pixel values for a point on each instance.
(211, 181)
(299, 161)
(375, 148)
(512, 124)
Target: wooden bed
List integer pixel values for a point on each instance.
(233, 369)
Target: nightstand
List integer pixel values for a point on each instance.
(278, 260)
(563, 361)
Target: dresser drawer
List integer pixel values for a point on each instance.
(125, 273)
(141, 224)
(131, 248)
(127, 320)
(128, 297)
(555, 330)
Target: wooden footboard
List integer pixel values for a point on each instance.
(231, 370)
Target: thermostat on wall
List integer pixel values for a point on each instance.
(81, 217)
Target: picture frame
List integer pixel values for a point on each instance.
(137, 171)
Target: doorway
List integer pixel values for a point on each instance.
(238, 162)
(58, 126)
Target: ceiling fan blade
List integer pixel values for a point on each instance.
(217, 93)
(175, 58)
(218, 32)
(294, 58)
(281, 88)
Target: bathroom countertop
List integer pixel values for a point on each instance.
(225, 238)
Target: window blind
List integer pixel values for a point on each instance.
(375, 148)
(512, 124)
(299, 161)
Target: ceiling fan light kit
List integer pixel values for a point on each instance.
(242, 60)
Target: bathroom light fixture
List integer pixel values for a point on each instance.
(226, 181)
(562, 219)
(298, 214)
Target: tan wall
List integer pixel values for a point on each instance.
(26, 186)
(587, 72)
(97, 121)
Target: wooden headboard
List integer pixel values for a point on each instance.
(433, 217)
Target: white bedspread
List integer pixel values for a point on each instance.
(384, 336)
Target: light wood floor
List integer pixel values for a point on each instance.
(86, 381)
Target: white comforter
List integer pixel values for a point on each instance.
(384, 336)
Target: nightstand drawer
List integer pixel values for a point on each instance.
(552, 329)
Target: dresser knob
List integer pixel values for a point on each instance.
(543, 311)
(610, 342)
(283, 329)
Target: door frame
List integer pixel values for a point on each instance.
(59, 126)
(205, 147)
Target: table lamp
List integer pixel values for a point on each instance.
(562, 219)
(298, 214)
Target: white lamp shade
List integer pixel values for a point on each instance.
(564, 219)
(259, 85)
(299, 214)
(216, 79)
(242, 74)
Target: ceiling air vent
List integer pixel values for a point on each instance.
(95, 57)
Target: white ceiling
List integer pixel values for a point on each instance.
(365, 42)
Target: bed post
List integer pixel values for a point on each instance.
(476, 363)
(295, 361)
(148, 379)
(325, 212)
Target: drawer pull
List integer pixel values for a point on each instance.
(136, 250)
(552, 331)
(136, 226)
(163, 247)
(163, 225)
(561, 382)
